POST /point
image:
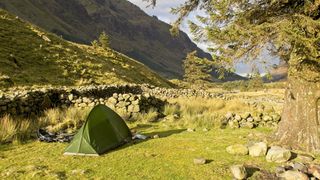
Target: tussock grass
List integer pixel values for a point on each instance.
(150, 116)
(18, 129)
(171, 109)
(14, 129)
(69, 119)
(201, 112)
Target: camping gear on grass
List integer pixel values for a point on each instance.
(48, 137)
(139, 137)
(103, 130)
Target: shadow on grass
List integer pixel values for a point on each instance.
(162, 134)
(5, 147)
(293, 156)
(251, 170)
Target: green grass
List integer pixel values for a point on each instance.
(169, 157)
(26, 58)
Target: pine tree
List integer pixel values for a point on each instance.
(289, 29)
(104, 41)
(196, 70)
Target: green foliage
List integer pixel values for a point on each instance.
(95, 44)
(196, 70)
(104, 41)
(5, 81)
(243, 29)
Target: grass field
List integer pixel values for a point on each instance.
(169, 157)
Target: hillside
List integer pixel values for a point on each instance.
(31, 56)
(132, 31)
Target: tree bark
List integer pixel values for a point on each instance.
(300, 124)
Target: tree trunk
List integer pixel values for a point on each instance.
(300, 124)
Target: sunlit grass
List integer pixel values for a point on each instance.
(169, 157)
(201, 112)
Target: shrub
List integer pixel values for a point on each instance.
(104, 40)
(5, 81)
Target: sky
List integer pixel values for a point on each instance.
(162, 11)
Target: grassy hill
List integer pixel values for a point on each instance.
(131, 30)
(31, 56)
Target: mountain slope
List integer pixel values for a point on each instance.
(30, 56)
(278, 73)
(132, 32)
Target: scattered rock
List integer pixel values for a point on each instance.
(238, 171)
(314, 170)
(79, 172)
(304, 158)
(199, 161)
(300, 167)
(150, 155)
(280, 170)
(258, 149)
(156, 136)
(229, 115)
(205, 130)
(237, 149)
(293, 175)
(263, 175)
(191, 130)
(278, 154)
(45, 38)
(70, 97)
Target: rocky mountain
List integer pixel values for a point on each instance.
(280, 72)
(31, 56)
(131, 31)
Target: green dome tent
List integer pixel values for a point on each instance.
(103, 130)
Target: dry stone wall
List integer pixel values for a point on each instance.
(176, 93)
(32, 101)
(130, 98)
(252, 120)
(134, 98)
